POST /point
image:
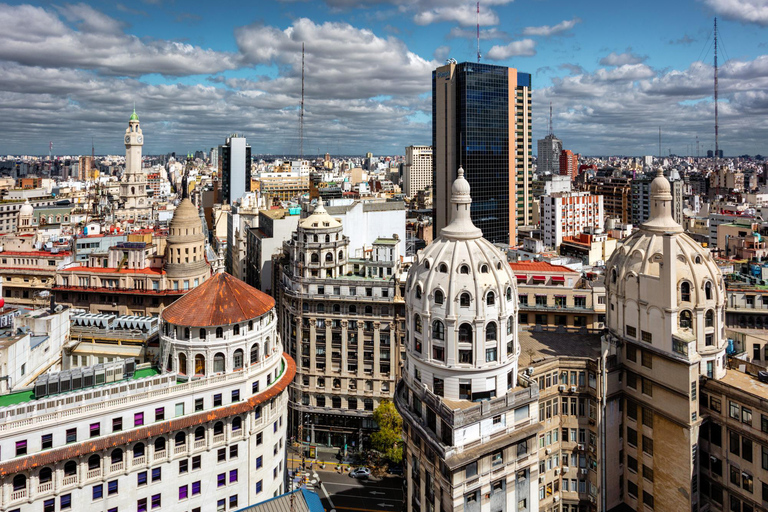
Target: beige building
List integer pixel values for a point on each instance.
(418, 169)
(133, 186)
(591, 248)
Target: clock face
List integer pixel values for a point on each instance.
(140, 139)
(127, 139)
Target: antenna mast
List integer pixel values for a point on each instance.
(478, 32)
(717, 143)
(301, 114)
(659, 145)
(551, 130)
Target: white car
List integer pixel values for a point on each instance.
(361, 473)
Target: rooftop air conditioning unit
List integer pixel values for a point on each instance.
(41, 386)
(556, 499)
(557, 471)
(530, 370)
(561, 387)
(566, 469)
(581, 447)
(541, 479)
(573, 389)
(592, 449)
(548, 451)
(584, 471)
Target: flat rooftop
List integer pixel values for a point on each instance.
(537, 346)
(745, 382)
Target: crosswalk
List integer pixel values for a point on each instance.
(310, 480)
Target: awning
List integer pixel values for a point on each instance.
(558, 278)
(522, 278)
(539, 278)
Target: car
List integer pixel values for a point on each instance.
(361, 473)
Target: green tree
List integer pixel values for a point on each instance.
(388, 440)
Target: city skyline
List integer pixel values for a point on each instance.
(198, 73)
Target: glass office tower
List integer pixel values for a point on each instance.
(481, 120)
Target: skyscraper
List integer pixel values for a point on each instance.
(235, 167)
(481, 120)
(549, 155)
(418, 169)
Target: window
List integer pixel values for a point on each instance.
(95, 429)
(235, 395)
(141, 505)
(141, 478)
(438, 330)
(196, 462)
(71, 435)
(47, 441)
(734, 410)
(259, 462)
(631, 331)
(221, 505)
(97, 492)
(439, 297)
(49, 505)
(647, 359)
(685, 291)
(183, 492)
(157, 474)
(646, 336)
(21, 448)
(183, 466)
(233, 502)
(746, 415)
(156, 501)
(111, 487)
(138, 419)
(233, 451)
(464, 300)
(196, 488)
(221, 455)
(221, 480)
(631, 353)
(258, 486)
(217, 400)
(233, 476)
(198, 404)
(160, 413)
(65, 502)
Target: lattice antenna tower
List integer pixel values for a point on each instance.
(478, 33)
(301, 112)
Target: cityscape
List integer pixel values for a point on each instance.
(428, 256)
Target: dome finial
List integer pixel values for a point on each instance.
(660, 219)
(461, 225)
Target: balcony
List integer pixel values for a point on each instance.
(182, 448)
(218, 438)
(19, 495)
(199, 444)
(93, 473)
(45, 487)
(69, 480)
(159, 455)
(140, 460)
(117, 466)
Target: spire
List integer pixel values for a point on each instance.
(661, 219)
(461, 226)
(134, 116)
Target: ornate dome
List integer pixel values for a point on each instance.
(320, 219)
(27, 210)
(665, 289)
(461, 302)
(185, 223)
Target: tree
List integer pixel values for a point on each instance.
(388, 440)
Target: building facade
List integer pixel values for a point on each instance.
(569, 164)
(418, 169)
(617, 197)
(133, 186)
(489, 134)
(569, 214)
(205, 429)
(548, 161)
(341, 319)
(234, 168)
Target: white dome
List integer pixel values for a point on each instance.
(665, 289)
(319, 219)
(461, 303)
(26, 209)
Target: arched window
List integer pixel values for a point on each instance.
(46, 475)
(237, 359)
(19, 482)
(464, 300)
(686, 320)
(490, 332)
(202, 334)
(439, 297)
(327, 238)
(337, 308)
(182, 364)
(180, 439)
(186, 333)
(236, 330)
(613, 275)
(305, 307)
(219, 332)
(199, 433)
(353, 309)
(116, 456)
(483, 268)
(94, 462)
(510, 325)
(250, 325)
(329, 257)
(418, 291)
(321, 308)
(314, 258)
(708, 290)
(509, 293)
(465, 333)
(417, 323)
(685, 291)
(218, 363)
(199, 364)
(218, 428)
(464, 269)
(368, 310)
(70, 468)
(709, 319)
(490, 299)
(438, 330)
(254, 353)
(237, 423)
(138, 450)
(341, 255)
(426, 264)
(384, 311)
(443, 268)
(159, 444)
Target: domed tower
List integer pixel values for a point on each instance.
(666, 320)
(133, 187)
(460, 381)
(185, 263)
(25, 221)
(320, 248)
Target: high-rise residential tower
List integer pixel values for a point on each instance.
(235, 166)
(481, 120)
(418, 169)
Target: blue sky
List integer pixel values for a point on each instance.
(200, 70)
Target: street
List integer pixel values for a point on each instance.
(346, 493)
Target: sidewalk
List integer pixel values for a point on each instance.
(330, 456)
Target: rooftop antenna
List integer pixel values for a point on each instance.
(50, 150)
(93, 151)
(478, 32)
(659, 143)
(717, 142)
(697, 146)
(301, 114)
(551, 131)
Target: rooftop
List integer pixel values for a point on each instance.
(537, 346)
(746, 383)
(539, 266)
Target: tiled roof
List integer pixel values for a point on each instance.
(113, 270)
(221, 300)
(140, 434)
(538, 266)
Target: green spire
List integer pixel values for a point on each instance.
(134, 116)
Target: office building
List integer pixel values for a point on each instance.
(569, 163)
(549, 149)
(234, 168)
(568, 214)
(418, 170)
(481, 120)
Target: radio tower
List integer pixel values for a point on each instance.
(50, 150)
(478, 32)
(717, 142)
(551, 130)
(301, 113)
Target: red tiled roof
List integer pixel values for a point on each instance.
(221, 300)
(538, 266)
(103, 443)
(112, 270)
(43, 254)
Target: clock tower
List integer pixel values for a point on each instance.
(133, 188)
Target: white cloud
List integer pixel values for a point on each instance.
(547, 30)
(745, 11)
(464, 15)
(621, 59)
(522, 48)
(485, 34)
(99, 43)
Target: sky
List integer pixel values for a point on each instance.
(198, 70)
